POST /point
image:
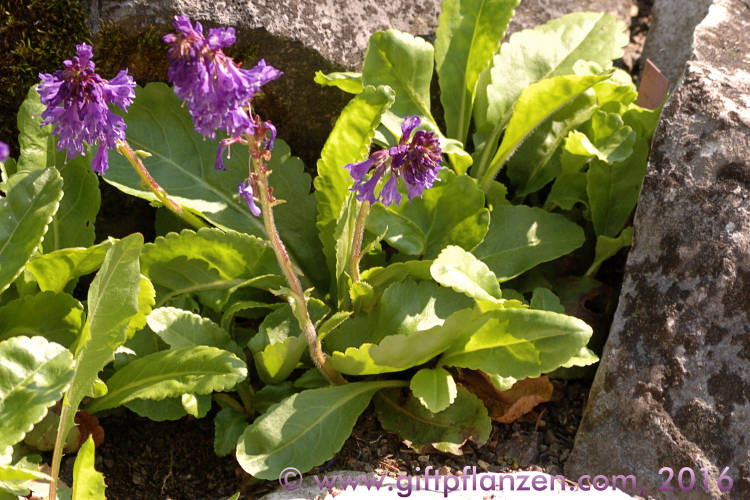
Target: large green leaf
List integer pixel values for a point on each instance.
(537, 103)
(88, 483)
(533, 55)
(112, 304)
(460, 270)
(517, 342)
(403, 62)
(344, 236)
(468, 34)
(406, 307)
(534, 164)
(164, 374)
(434, 387)
(305, 429)
(210, 263)
(607, 137)
(55, 269)
(613, 189)
(522, 237)
(228, 427)
(446, 431)
(279, 344)
(349, 142)
(35, 374)
(450, 213)
(37, 145)
(179, 328)
(31, 201)
(58, 317)
(73, 225)
(402, 351)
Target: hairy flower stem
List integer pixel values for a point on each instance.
(58, 450)
(297, 302)
(125, 150)
(359, 234)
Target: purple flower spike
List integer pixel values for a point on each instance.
(246, 191)
(77, 102)
(415, 159)
(4, 152)
(216, 89)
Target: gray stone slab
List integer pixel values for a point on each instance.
(673, 386)
(670, 37)
(517, 485)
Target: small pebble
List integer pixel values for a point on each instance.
(423, 458)
(484, 465)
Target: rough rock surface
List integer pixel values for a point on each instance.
(302, 36)
(669, 42)
(673, 387)
(520, 486)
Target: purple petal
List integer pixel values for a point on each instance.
(4, 152)
(246, 191)
(100, 163)
(390, 193)
(407, 126)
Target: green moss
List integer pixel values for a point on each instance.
(144, 53)
(35, 36)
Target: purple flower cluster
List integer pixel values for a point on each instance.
(216, 89)
(4, 152)
(417, 161)
(77, 102)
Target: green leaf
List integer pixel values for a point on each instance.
(55, 269)
(450, 213)
(549, 50)
(468, 34)
(37, 145)
(607, 247)
(34, 376)
(349, 142)
(517, 342)
(381, 277)
(569, 187)
(88, 484)
(279, 344)
(210, 263)
(446, 431)
(112, 303)
(343, 235)
(403, 62)
(163, 374)
(333, 322)
(402, 351)
(434, 387)
(197, 406)
(26, 211)
(534, 164)
(73, 225)
(537, 103)
(613, 190)
(305, 429)
(522, 237)
(158, 411)
(460, 270)
(146, 300)
(58, 317)
(179, 328)
(20, 473)
(348, 81)
(546, 300)
(584, 357)
(228, 427)
(609, 139)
